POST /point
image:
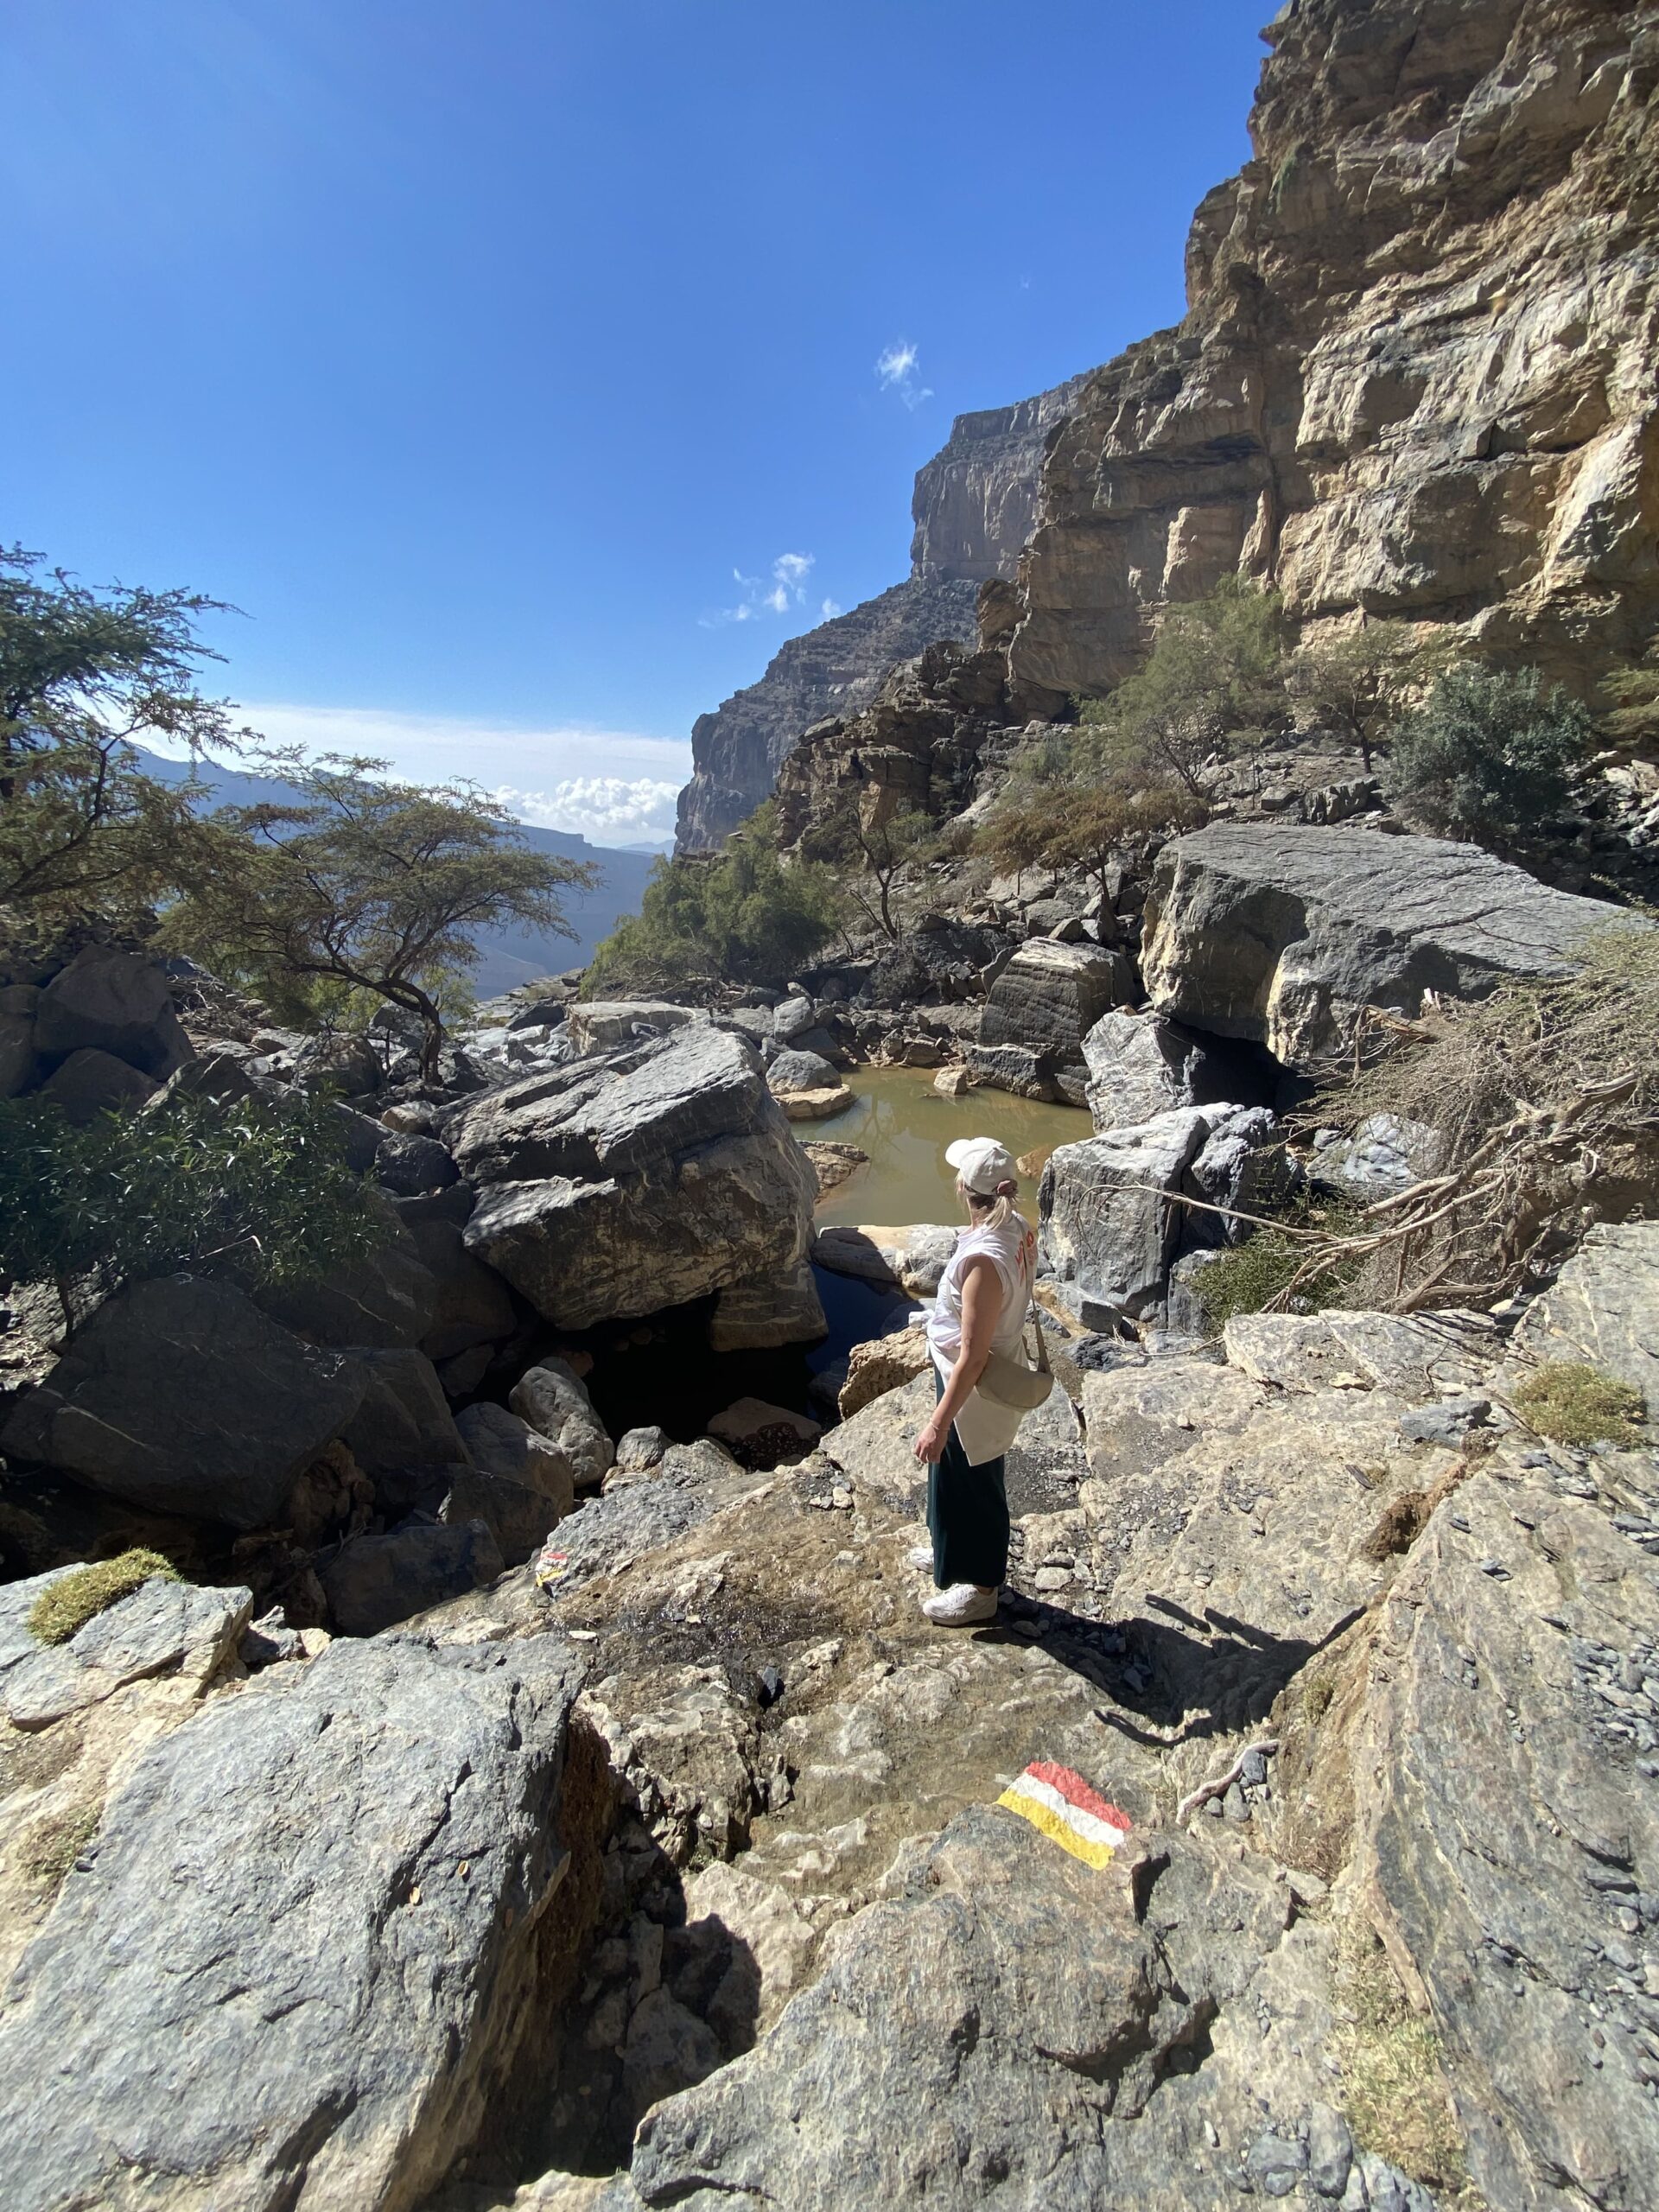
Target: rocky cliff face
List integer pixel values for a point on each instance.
(1416, 377)
(837, 668)
(975, 502)
(974, 506)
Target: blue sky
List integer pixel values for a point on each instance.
(528, 370)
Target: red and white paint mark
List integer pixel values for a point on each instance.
(1062, 1806)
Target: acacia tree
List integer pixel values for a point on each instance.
(365, 883)
(83, 673)
(1363, 680)
(1215, 677)
(1074, 824)
(860, 841)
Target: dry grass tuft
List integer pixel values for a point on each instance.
(54, 1847)
(1581, 1405)
(1394, 2087)
(74, 1599)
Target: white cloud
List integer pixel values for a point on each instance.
(787, 589)
(615, 786)
(831, 607)
(608, 809)
(898, 368)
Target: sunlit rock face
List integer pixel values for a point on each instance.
(1415, 377)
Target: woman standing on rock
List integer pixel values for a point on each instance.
(980, 1313)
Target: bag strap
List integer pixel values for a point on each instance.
(1036, 1320)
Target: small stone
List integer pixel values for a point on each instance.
(1330, 2151)
(1275, 2165)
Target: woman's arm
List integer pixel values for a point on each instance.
(982, 1308)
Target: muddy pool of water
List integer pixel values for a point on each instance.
(904, 1124)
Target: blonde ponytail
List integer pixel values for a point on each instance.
(1001, 1207)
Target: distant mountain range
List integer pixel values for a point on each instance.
(509, 957)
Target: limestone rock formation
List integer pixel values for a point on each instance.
(975, 502)
(1412, 378)
(1049, 997)
(973, 507)
(833, 669)
(162, 1628)
(1280, 935)
(304, 1952)
(641, 1180)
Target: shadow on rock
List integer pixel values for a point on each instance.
(1171, 1680)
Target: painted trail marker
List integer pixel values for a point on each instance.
(1065, 1809)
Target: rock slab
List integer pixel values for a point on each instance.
(305, 1943)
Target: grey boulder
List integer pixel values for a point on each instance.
(162, 1627)
(374, 1582)
(500, 1443)
(1050, 996)
(403, 1420)
(111, 1001)
(90, 1083)
(797, 1070)
(772, 1311)
(1282, 935)
(1112, 1220)
(305, 1948)
(179, 1395)
(619, 1188)
(386, 1300)
(1141, 1064)
(517, 1516)
(550, 1400)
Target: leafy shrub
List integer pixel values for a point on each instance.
(256, 1191)
(1248, 1278)
(1489, 755)
(747, 917)
(1578, 1405)
(75, 1599)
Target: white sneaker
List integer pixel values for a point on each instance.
(920, 1556)
(960, 1607)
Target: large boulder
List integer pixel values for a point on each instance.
(403, 1420)
(552, 1400)
(652, 1178)
(799, 1071)
(1509, 1832)
(107, 1001)
(179, 1395)
(373, 1583)
(1281, 934)
(1112, 1219)
(498, 1443)
(1141, 1064)
(310, 1945)
(90, 1083)
(601, 1025)
(163, 1627)
(386, 1299)
(1050, 996)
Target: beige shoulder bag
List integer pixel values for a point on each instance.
(1006, 1381)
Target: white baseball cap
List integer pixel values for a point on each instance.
(981, 1163)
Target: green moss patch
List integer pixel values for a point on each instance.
(75, 1599)
(1580, 1405)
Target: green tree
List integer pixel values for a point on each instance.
(1213, 679)
(1361, 681)
(1489, 755)
(364, 884)
(84, 672)
(1083, 826)
(745, 916)
(863, 843)
(261, 1192)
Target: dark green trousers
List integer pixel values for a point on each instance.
(967, 1515)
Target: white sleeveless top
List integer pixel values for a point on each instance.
(984, 1428)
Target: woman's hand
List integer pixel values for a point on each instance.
(930, 1445)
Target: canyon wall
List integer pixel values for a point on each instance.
(974, 506)
(1416, 378)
